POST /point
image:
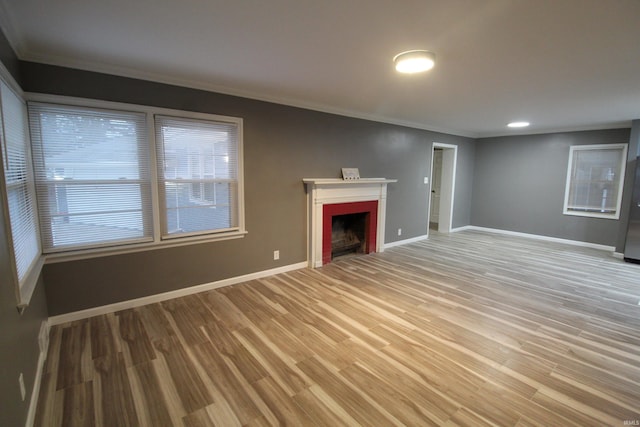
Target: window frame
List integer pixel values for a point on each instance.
(595, 214)
(45, 186)
(158, 242)
(201, 182)
(24, 285)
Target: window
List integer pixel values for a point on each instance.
(107, 183)
(595, 180)
(20, 191)
(92, 176)
(198, 173)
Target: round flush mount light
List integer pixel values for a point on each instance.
(414, 61)
(518, 124)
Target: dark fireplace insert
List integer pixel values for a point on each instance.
(352, 231)
(348, 234)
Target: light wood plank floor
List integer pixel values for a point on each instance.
(464, 329)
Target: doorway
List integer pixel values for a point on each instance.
(443, 183)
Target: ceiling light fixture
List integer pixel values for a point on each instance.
(414, 61)
(518, 124)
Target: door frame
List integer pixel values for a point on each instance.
(447, 186)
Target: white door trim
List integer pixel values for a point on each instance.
(447, 186)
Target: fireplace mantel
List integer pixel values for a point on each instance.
(347, 182)
(322, 191)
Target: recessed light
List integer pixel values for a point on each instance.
(518, 124)
(414, 61)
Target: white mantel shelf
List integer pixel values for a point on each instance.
(338, 181)
(321, 191)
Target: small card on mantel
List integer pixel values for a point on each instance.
(350, 173)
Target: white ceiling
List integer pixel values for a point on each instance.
(560, 64)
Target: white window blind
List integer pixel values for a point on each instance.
(92, 176)
(19, 181)
(198, 175)
(595, 180)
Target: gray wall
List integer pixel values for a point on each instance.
(18, 333)
(465, 167)
(9, 58)
(519, 185)
(282, 145)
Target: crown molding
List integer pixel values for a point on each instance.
(173, 80)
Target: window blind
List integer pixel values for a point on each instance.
(18, 174)
(596, 176)
(198, 175)
(92, 176)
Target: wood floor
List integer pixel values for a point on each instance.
(463, 329)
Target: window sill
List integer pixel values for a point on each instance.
(140, 247)
(587, 214)
(26, 288)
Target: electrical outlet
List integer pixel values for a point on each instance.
(23, 390)
(399, 231)
(426, 180)
(276, 255)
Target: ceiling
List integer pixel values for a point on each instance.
(560, 64)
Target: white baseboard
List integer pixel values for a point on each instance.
(515, 233)
(43, 344)
(546, 238)
(110, 308)
(463, 228)
(405, 241)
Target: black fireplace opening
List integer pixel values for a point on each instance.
(348, 234)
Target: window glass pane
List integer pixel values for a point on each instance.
(187, 214)
(89, 146)
(199, 172)
(596, 177)
(75, 212)
(93, 178)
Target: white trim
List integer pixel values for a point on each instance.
(62, 255)
(447, 185)
(208, 86)
(56, 257)
(155, 191)
(463, 228)
(545, 238)
(43, 341)
(618, 255)
(123, 305)
(572, 149)
(321, 191)
(18, 44)
(406, 241)
(30, 281)
(23, 288)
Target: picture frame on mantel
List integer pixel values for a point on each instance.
(350, 173)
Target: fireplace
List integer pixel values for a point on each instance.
(349, 234)
(334, 198)
(348, 228)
